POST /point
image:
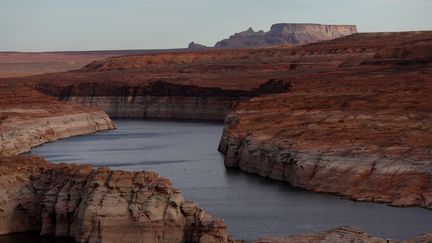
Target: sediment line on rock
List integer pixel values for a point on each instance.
(19, 135)
(95, 205)
(352, 153)
(159, 99)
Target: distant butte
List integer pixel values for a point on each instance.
(198, 46)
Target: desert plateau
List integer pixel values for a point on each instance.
(306, 132)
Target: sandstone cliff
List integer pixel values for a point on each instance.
(364, 135)
(340, 235)
(29, 118)
(99, 205)
(353, 117)
(286, 34)
(158, 99)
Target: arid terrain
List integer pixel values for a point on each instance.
(18, 64)
(350, 116)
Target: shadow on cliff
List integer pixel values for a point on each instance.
(157, 88)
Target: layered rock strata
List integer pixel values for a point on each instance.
(29, 118)
(203, 84)
(99, 205)
(367, 140)
(353, 117)
(159, 99)
(361, 130)
(340, 235)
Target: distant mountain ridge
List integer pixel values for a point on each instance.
(285, 34)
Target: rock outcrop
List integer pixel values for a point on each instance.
(364, 135)
(352, 116)
(99, 205)
(286, 34)
(339, 235)
(159, 99)
(196, 46)
(29, 118)
(248, 38)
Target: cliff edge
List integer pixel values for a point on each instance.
(99, 205)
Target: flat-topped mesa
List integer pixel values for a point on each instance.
(306, 33)
(287, 34)
(99, 205)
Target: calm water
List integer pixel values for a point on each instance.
(186, 153)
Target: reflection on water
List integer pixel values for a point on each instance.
(186, 153)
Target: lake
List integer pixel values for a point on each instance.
(186, 153)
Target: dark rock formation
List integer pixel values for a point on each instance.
(196, 46)
(286, 34)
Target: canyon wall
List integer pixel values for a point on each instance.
(340, 235)
(360, 130)
(20, 135)
(158, 99)
(29, 118)
(168, 107)
(349, 116)
(396, 182)
(99, 205)
(363, 141)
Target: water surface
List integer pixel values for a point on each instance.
(186, 153)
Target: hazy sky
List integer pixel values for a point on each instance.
(42, 25)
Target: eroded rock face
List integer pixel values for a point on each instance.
(361, 131)
(353, 117)
(99, 205)
(203, 84)
(368, 142)
(286, 34)
(159, 99)
(29, 118)
(339, 235)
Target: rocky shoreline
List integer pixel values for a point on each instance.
(78, 201)
(99, 205)
(360, 179)
(22, 135)
(372, 145)
(29, 118)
